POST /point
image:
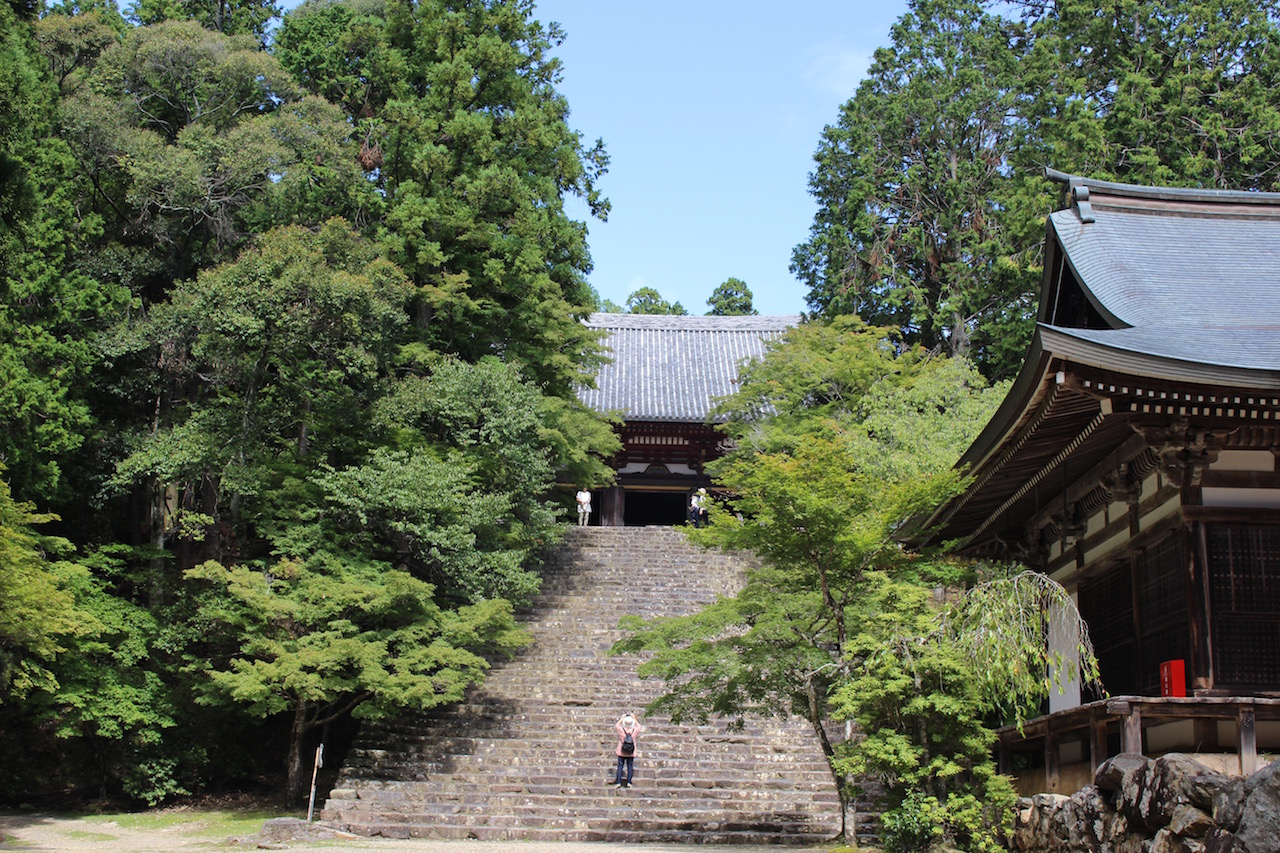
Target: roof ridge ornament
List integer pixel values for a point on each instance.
(1080, 195)
(1077, 191)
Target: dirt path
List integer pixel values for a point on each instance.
(43, 832)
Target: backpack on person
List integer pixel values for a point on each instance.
(628, 744)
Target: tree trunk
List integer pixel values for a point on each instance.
(848, 807)
(293, 784)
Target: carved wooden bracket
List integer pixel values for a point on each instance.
(1184, 453)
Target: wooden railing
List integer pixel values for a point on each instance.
(1094, 722)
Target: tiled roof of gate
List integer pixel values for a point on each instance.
(669, 368)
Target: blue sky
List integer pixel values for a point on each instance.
(711, 112)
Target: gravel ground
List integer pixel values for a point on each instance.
(40, 832)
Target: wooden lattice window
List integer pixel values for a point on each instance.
(1162, 609)
(1244, 595)
(1106, 603)
(1130, 646)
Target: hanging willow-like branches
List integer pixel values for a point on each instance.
(1025, 637)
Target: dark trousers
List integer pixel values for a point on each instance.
(625, 761)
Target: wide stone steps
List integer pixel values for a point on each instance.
(529, 755)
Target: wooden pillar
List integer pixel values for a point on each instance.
(612, 507)
(1052, 761)
(1247, 740)
(1195, 555)
(1097, 742)
(1004, 758)
(1131, 737)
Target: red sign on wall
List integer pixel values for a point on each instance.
(1173, 678)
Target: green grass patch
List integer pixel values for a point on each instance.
(90, 835)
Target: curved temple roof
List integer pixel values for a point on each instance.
(1185, 275)
(1154, 300)
(670, 368)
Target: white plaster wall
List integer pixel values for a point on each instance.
(1062, 641)
(1244, 460)
(1265, 498)
(1163, 511)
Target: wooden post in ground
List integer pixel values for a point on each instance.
(1131, 738)
(315, 769)
(1247, 740)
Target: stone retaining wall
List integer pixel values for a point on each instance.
(1172, 804)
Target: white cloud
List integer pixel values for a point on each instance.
(836, 67)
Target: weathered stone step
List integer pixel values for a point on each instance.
(529, 755)
(701, 835)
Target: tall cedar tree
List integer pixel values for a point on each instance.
(931, 187)
(914, 228)
(465, 133)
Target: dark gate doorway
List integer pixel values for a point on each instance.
(654, 507)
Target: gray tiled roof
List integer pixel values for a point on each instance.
(1185, 275)
(669, 368)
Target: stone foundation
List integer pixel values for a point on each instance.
(1172, 804)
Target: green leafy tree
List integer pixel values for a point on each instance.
(467, 137)
(839, 439)
(920, 714)
(114, 716)
(40, 612)
(464, 134)
(322, 635)
(1157, 93)
(464, 502)
(646, 300)
(930, 186)
(731, 298)
(916, 226)
(268, 362)
(229, 17)
(927, 676)
(72, 40)
(51, 308)
(188, 141)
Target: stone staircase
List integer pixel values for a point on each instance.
(530, 756)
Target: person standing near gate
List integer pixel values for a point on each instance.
(584, 507)
(628, 729)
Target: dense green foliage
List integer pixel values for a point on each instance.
(647, 300)
(931, 188)
(731, 298)
(843, 439)
(290, 338)
(294, 359)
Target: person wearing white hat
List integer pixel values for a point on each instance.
(698, 508)
(628, 729)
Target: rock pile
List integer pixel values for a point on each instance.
(1171, 804)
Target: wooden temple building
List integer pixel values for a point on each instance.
(1135, 461)
(665, 374)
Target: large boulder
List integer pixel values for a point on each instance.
(1149, 792)
(1259, 830)
(1178, 780)
(1228, 805)
(1111, 773)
